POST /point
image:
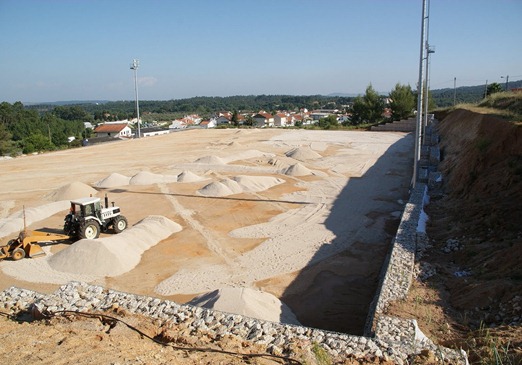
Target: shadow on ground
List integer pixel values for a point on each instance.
(335, 293)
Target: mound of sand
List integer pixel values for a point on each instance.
(188, 176)
(247, 302)
(215, 189)
(15, 222)
(113, 180)
(149, 178)
(232, 185)
(297, 170)
(257, 183)
(211, 160)
(302, 154)
(239, 184)
(145, 178)
(72, 191)
(115, 255)
(246, 155)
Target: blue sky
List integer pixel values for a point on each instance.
(54, 50)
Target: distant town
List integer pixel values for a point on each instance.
(128, 128)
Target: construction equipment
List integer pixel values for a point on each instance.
(24, 245)
(87, 218)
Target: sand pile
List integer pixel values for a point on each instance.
(302, 154)
(248, 302)
(15, 222)
(246, 155)
(149, 178)
(113, 180)
(72, 191)
(212, 160)
(145, 178)
(232, 185)
(115, 255)
(215, 188)
(257, 183)
(240, 184)
(297, 170)
(188, 176)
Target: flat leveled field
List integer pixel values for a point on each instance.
(304, 215)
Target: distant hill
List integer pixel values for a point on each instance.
(211, 104)
(67, 102)
(346, 95)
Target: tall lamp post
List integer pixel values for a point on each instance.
(134, 66)
(507, 80)
(420, 97)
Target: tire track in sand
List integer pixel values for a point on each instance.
(212, 243)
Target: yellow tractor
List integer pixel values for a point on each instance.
(25, 244)
(86, 219)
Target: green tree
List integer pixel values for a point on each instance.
(6, 144)
(249, 121)
(74, 112)
(493, 88)
(235, 119)
(402, 102)
(328, 122)
(36, 142)
(367, 108)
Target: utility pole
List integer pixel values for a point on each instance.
(420, 89)
(507, 80)
(134, 66)
(454, 91)
(486, 90)
(428, 51)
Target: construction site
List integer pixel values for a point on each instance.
(295, 229)
(289, 217)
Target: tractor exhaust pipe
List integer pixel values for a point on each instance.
(106, 201)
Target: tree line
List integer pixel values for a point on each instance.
(26, 131)
(39, 128)
(47, 127)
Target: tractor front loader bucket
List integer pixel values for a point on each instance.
(34, 251)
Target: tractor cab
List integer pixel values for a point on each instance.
(87, 218)
(86, 207)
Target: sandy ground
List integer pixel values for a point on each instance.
(298, 214)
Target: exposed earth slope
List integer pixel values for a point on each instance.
(474, 297)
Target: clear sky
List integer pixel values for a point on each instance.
(55, 50)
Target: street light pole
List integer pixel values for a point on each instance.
(420, 96)
(507, 80)
(134, 66)
(454, 91)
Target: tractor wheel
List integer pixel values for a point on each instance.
(90, 229)
(120, 224)
(18, 254)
